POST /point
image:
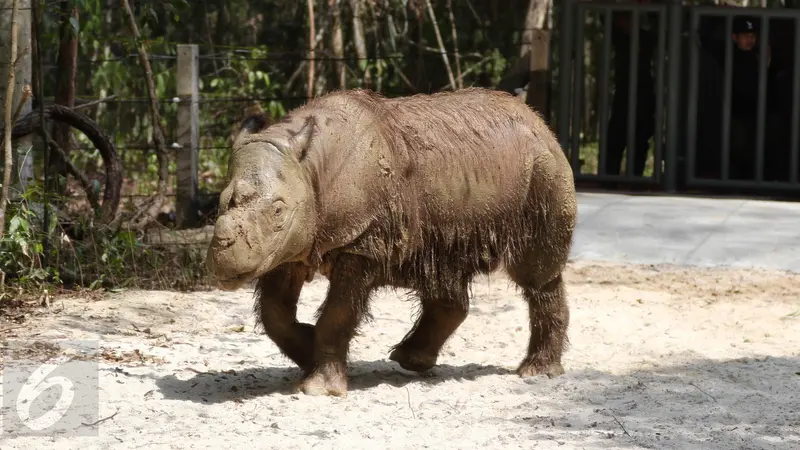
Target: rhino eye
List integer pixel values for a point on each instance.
(278, 207)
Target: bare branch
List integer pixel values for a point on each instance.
(311, 50)
(158, 132)
(441, 44)
(459, 77)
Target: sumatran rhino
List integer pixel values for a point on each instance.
(421, 192)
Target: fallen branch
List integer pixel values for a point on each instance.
(620, 424)
(97, 422)
(704, 392)
(408, 399)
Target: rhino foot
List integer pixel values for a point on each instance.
(414, 361)
(321, 382)
(530, 369)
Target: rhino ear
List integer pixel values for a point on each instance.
(298, 144)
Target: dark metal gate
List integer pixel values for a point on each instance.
(673, 100)
(729, 148)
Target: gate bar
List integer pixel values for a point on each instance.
(602, 149)
(675, 18)
(691, 124)
(727, 100)
(795, 140)
(564, 72)
(761, 116)
(633, 74)
(577, 99)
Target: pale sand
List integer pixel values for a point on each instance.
(660, 358)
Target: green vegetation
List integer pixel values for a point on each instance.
(254, 57)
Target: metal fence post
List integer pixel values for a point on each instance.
(565, 72)
(673, 88)
(188, 134)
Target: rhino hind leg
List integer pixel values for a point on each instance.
(276, 309)
(352, 280)
(443, 311)
(549, 320)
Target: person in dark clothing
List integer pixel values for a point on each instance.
(744, 103)
(745, 68)
(644, 92)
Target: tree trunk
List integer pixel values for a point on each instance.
(360, 41)
(536, 43)
(21, 148)
(65, 90)
(532, 67)
(337, 43)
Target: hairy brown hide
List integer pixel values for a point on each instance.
(427, 191)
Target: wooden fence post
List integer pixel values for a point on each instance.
(188, 135)
(539, 81)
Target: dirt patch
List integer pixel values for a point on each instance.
(660, 357)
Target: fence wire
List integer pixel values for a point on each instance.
(129, 111)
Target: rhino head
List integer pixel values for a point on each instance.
(266, 211)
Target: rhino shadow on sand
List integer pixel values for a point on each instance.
(253, 382)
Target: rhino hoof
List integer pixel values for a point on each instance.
(552, 370)
(320, 384)
(413, 361)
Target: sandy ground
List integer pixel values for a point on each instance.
(661, 358)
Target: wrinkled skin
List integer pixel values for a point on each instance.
(421, 192)
(256, 229)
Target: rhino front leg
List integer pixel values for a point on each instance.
(443, 311)
(351, 283)
(276, 308)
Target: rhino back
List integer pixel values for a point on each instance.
(390, 172)
(474, 153)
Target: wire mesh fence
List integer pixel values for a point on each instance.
(233, 82)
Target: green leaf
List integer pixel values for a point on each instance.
(75, 25)
(15, 224)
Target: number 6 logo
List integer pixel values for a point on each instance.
(33, 387)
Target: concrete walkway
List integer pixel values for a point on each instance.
(688, 231)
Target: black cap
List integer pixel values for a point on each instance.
(745, 24)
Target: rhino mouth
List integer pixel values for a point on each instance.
(276, 243)
(236, 281)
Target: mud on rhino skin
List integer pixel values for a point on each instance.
(421, 192)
